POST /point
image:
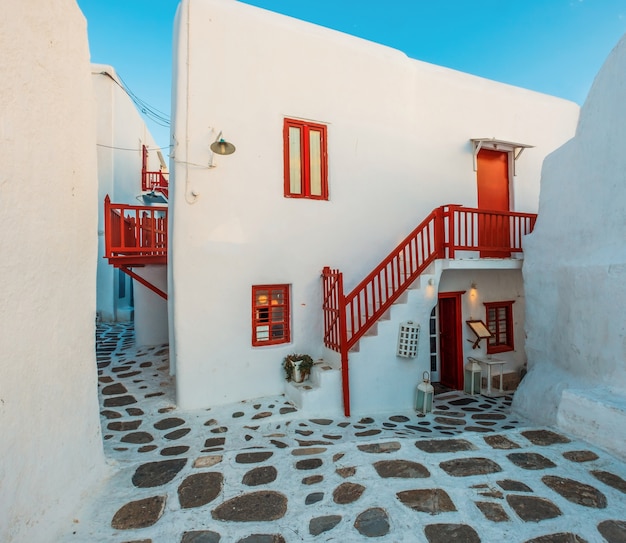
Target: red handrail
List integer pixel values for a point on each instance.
(446, 230)
(334, 308)
(135, 234)
(385, 284)
(480, 230)
(154, 181)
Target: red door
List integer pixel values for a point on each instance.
(493, 195)
(450, 348)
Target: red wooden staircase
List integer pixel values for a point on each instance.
(448, 229)
(135, 236)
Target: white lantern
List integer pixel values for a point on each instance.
(425, 393)
(473, 374)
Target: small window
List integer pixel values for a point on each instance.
(500, 323)
(270, 315)
(306, 164)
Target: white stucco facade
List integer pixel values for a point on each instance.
(399, 134)
(50, 445)
(574, 275)
(121, 134)
(150, 309)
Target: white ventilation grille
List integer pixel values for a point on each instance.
(408, 338)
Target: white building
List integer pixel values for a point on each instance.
(128, 158)
(51, 446)
(343, 147)
(574, 275)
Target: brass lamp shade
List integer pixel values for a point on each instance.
(222, 147)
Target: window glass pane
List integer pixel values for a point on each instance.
(295, 175)
(278, 331)
(315, 159)
(263, 314)
(278, 314)
(261, 297)
(262, 333)
(491, 320)
(277, 297)
(433, 322)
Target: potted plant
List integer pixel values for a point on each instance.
(297, 367)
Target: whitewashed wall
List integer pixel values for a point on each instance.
(121, 133)
(398, 133)
(575, 268)
(50, 445)
(150, 309)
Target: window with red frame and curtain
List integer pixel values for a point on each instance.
(306, 160)
(499, 320)
(270, 315)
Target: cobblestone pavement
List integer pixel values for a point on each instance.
(257, 472)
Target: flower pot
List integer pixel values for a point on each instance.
(299, 375)
(297, 367)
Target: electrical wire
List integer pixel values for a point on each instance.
(128, 148)
(155, 115)
(159, 117)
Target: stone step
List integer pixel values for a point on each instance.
(320, 393)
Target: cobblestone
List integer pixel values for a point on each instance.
(260, 472)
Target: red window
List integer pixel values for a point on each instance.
(500, 323)
(306, 160)
(270, 315)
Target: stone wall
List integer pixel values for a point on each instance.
(575, 271)
(51, 449)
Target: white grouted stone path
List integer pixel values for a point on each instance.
(258, 472)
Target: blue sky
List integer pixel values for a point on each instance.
(551, 46)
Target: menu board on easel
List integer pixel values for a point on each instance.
(480, 330)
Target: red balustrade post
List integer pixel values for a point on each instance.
(107, 226)
(452, 228)
(144, 168)
(335, 326)
(343, 343)
(439, 233)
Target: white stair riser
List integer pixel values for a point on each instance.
(320, 394)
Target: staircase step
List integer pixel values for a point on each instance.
(321, 393)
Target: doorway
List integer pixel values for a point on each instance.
(450, 345)
(493, 195)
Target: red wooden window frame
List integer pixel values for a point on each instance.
(270, 315)
(499, 320)
(305, 129)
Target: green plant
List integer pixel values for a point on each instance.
(305, 365)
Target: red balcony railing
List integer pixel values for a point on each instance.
(135, 235)
(153, 181)
(447, 230)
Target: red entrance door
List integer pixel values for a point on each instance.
(493, 195)
(450, 347)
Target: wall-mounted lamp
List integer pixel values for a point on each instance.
(222, 147)
(431, 282)
(473, 286)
